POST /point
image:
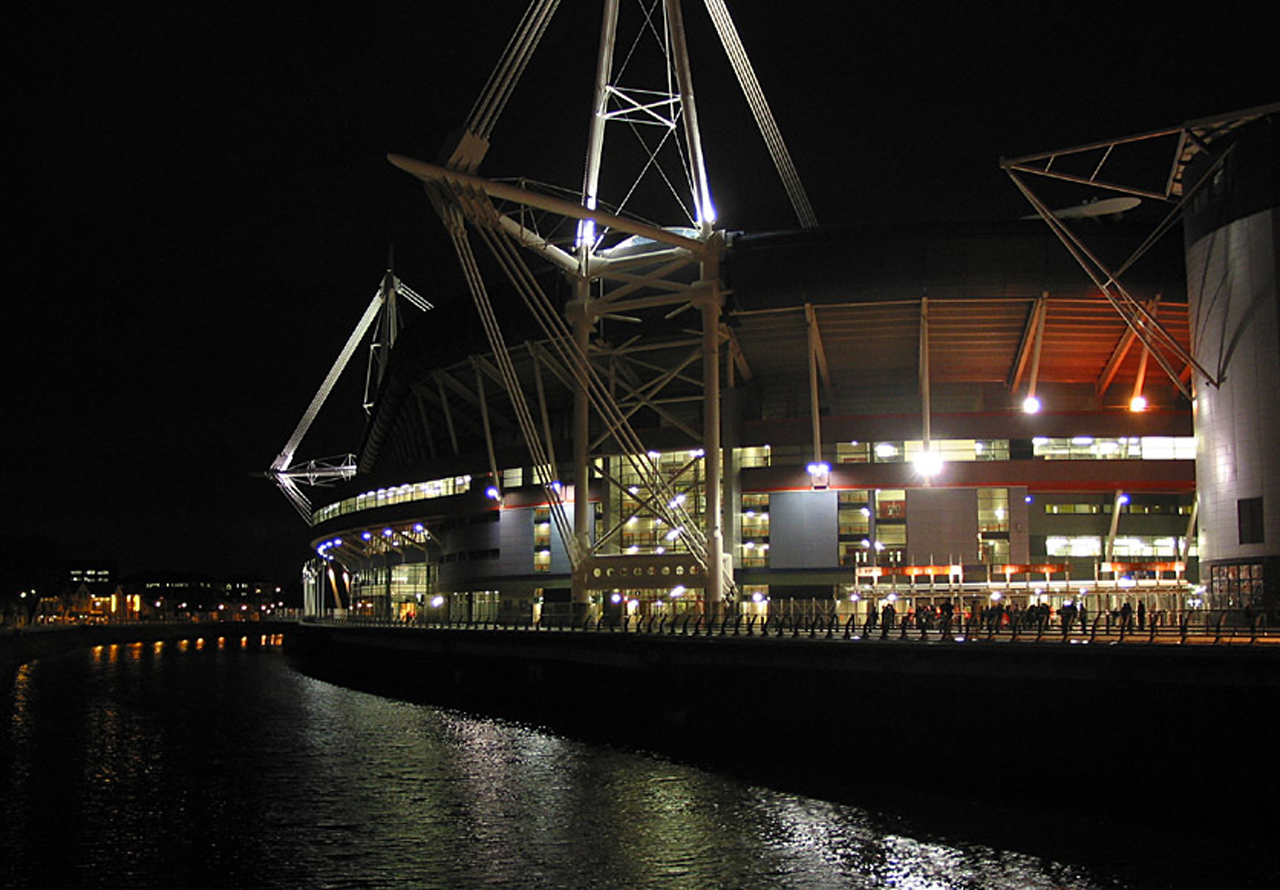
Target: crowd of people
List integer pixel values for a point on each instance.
(996, 616)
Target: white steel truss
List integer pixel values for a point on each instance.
(381, 311)
(1090, 166)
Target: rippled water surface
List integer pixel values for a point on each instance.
(216, 763)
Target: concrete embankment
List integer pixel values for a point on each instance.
(1159, 728)
(22, 645)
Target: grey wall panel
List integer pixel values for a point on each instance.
(515, 540)
(942, 525)
(803, 530)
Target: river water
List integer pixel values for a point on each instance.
(216, 763)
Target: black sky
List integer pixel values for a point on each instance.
(204, 207)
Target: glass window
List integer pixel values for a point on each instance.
(752, 457)
(891, 503)
(1075, 545)
(855, 513)
(993, 509)
(853, 452)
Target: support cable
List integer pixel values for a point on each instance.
(506, 74)
(511, 381)
(760, 109)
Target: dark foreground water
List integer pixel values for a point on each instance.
(216, 763)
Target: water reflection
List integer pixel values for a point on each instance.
(132, 763)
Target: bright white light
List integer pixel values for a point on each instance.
(996, 596)
(1123, 499)
(750, 545)
(678, 590)
(654, 455)
(633, 549)
(879, 546)
(818, 469)
(866, 511)
(492, 493)
(616, 598)
(1031, 405)
(757, 597)
(1138, 404)
(885, 450)
(708, 214)
(929, 463)
(437, 601)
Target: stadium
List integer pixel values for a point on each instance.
(1029, 412)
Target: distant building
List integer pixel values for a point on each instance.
(98, 571)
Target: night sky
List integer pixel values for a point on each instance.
(204, 207)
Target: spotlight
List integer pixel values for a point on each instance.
(929, 463)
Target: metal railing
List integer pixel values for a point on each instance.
(1199, 627)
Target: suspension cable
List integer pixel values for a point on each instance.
(760, 109)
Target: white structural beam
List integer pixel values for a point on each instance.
(814, 350)
(925, 408)
(705, 216)
(599, 115)
(285, 457)
(462, 182)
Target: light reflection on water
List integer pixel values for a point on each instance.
(156, 764)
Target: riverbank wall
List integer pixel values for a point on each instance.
(18, 646)
(1155, 729)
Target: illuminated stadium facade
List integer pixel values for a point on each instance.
(1031, 505)
(884, 414)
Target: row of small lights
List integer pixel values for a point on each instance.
(323, 548)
